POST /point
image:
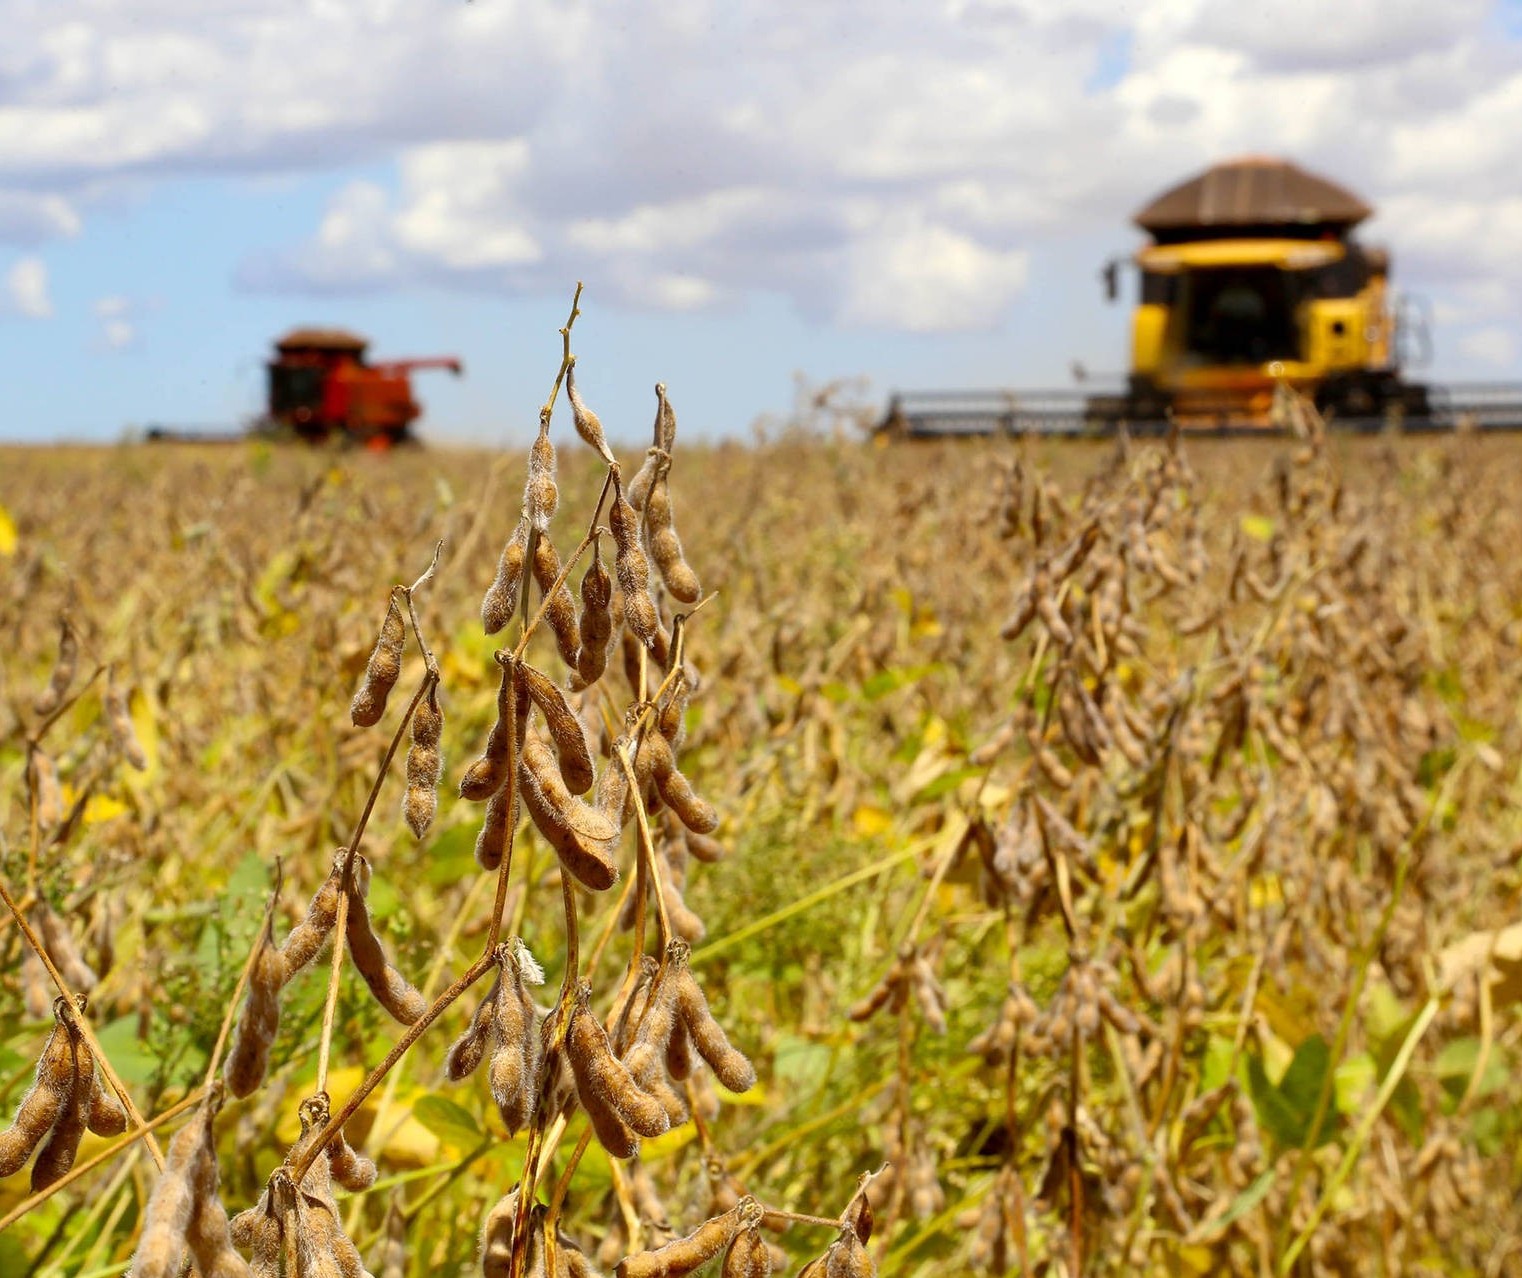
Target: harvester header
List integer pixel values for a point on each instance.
(1252, 280)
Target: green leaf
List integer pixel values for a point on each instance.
(129, 1055)
(1286, 1111)
(451, 1123)
(1245, 1201)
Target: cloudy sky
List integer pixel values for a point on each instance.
(919, 193)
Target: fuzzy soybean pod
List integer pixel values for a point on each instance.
(62, 1144)
(497, 1236)
(587, 423)
(107, 1117)
(748, 1256)
(501, 597)
(560, 606)
(119, 720)
(729, 1064)
(666, 546)
(612, 1132)
(189, 1166)
(382, 670)
(305, 939)
(540, 495)
(348, 1166)
(696, 814)
(596, 622)
(43, 1102)
(59, 942)
(847, 1258)
(633, 571)
(258, 1023)
(583, 837)
(566, 732)
(514, 1067)
(467, 1051)
(597, 1069)
(485, 776)
(425, 764)
(682, 1256)
(392, 990)
(51, 697)
(42, 778)
(497, 825)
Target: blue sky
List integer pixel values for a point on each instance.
(902, 196)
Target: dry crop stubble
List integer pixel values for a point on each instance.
(1280, 686)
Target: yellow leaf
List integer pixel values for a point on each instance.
(1258, 527)
(102, 807)
(7, 533)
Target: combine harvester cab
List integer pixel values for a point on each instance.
(1253, 283)
(1254, 280)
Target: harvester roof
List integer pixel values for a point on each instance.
(1252, 191)
(321, 339)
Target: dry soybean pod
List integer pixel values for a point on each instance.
(42, 777)
(425, 764)
(51, 697)
(382, 670)
(497, 825)
(173, 1202)
(612, 1132)
(728, 1063)
(677, 792)
(107, 1117)
(485, 776)
(560, 605)
(514, 1065)
(847, 1258)
(258, 1023)
(666, 546)
(587, 423)
(467, 1051)
(566, 732)
(392, 990)
(633, 570)
(62, 1144)
(501, 597)
(497, 1236)
(583, 837)
(598, 1070)
(119, 720)
(748, 1256)
(306, 938)
(596, 623)
(43, 1102)
(59, 942)
(683, 1255)
(540, 495)
(351, 1169)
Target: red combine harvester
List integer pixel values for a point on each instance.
(321, 388)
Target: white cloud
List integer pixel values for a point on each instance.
(118, 327)
(26, 289)
(878, 165)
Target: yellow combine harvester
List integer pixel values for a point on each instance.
(1253, 281)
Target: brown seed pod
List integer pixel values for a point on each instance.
(583, 837)
(107, 1117)
(166, 1223)
(601, 1078)
(381, 673)
(467, 1051)
(119, 720)
(62, 1144)
(666, 546)
(676, 790)
(44, 1100)
(540, 495)
(259, 1021)
(497, 1236)
(51, 697)
(596, 621)
(497, 826)
(587, 424)
(560, 607)
(210, 1240)
(748, 1256)
(304, 940)
(351, 1169)
(485, 776)
(501, 597)
(514, 1070)
(658, 1018)
(730, 1066)
(42, 779)
(633, 571)
(847, 1258)
(392, 990)
(683, 1255)
(566, 732)
(425, 764)
(703, 847)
